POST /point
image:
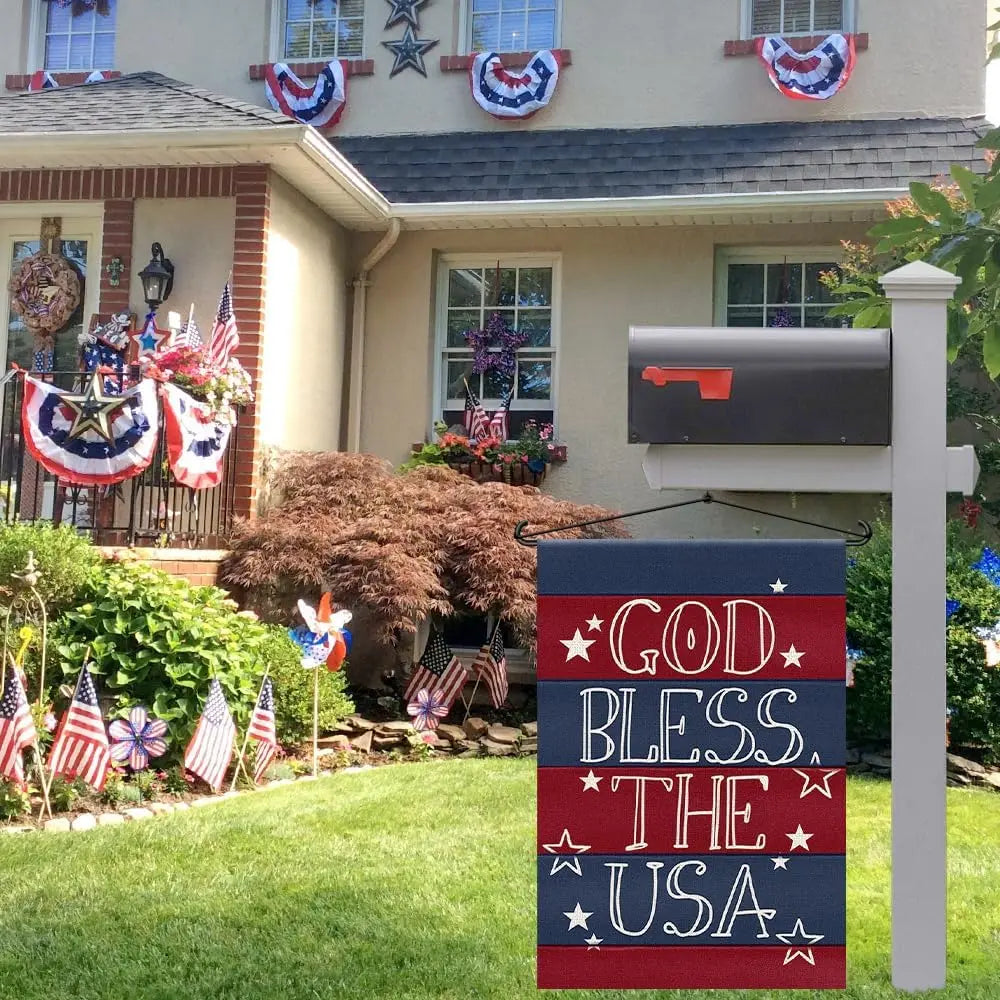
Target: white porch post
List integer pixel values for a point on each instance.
(919, 294)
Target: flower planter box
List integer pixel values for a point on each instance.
(515, 473)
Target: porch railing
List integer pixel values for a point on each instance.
(151, 509)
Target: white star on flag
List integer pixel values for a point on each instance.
(577, 646)
(577, 918)
(792, 657)
(781, 863)
(811, 784)
(778, 587)
(592, 942)
(590, 782)
(799, 839)
(594, 624)
(798, 936)
(573, 864)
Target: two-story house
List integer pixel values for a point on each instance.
(665, 182)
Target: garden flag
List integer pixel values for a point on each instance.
(262, 730)
(519, 93)
(210, 751)
(439, 670)
(90, 438)
(196, 439)
(17, 728)
(225, 335)
(813, 76)
(691, 768)
(490, 665)
(476, 423)
(81, 749)
(321, 105)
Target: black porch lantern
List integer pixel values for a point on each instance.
(157, 278)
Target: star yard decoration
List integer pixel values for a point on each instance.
(92, 410)
(577, 646)
(591, 782)
(577, 918)
(137, 738)
(594, 624)
(781, 863)
(592, 942)
(811, 784)
(798, 939)
(408, 52)
(573, 864)
(404, 10)
(778, 587)
(799, 839)
(427, 709)
(793, 657)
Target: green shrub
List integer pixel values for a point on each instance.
(279, 772)
(62, 557)
(63, 794)
(973, 688)
(158, 641)
(293, 690)
(14, 801)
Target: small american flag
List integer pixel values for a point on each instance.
(187, 336)
(17, 728)
(210, 751)
(439, 670)
(475, 416)
(81, 748)
(499, 424)
(225, 336)
(262, 730)
(491, 665)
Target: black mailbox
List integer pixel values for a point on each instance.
(717, 385)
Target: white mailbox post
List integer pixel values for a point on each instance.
(918, 469)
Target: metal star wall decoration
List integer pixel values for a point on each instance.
(409, 52)
(404, 10)
(92, 410)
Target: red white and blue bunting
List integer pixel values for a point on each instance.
(88, 458)
(512, 95)
(321, 105)
(809, 76)
(196, 441)
(43, 80)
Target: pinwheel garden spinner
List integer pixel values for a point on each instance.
(135, 739)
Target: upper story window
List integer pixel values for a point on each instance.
(796, 17)
(323, 29)
(83, 41)
(513, 25)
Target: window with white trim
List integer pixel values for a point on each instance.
(84, 41)
(523, 291)
(764, 288)
(796, 17)
(513, 25)
(322, 29)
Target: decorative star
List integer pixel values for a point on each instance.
(409, 52)
(778, 587)
(150, 339)
(793, 658)
(573, 864)
(799, 839)
(594, 624)
(815, 757)
(591, 781)
(404, 10)
(811, 784)
(798, 936)
(592, 942)
(781, 863)
(577, 918)
(92, 410)
(577, 646)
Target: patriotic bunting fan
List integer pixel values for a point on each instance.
(196, 442)
(507, 94)
(320, 105)
(810, 76)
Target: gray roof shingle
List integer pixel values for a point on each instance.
(138, 101)
(626, 163)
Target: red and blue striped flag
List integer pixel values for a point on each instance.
(211, 749)
(81, 748)
(17, 728)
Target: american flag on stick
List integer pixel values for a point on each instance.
(81, 748)
(210, 751)
(225, 335)
(17, 728)
(499, 425)
(476, 422)
(439, 669)
(490, 665)
(262, 730)
(189, 335)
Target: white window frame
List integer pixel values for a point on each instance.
(447, 262)
(724, 256)
(276, 45)
(850, 19)
(518, 657)
(37, 18)
(465, 27)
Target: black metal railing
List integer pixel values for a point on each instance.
(150, 509)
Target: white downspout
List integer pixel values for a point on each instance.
(360, 285)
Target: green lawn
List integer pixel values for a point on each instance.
(404, 882)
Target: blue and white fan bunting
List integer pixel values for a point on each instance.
(506, 94)
(196, 439)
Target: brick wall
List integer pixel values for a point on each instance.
(200, 567)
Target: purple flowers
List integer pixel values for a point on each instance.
(495, 347)
(137, 738)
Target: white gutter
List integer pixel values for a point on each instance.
(356, 378)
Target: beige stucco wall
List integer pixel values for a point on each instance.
(644, 66)
(611, 279)
(307, 298)
(197, 236)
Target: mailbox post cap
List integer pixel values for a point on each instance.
(919, 280)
